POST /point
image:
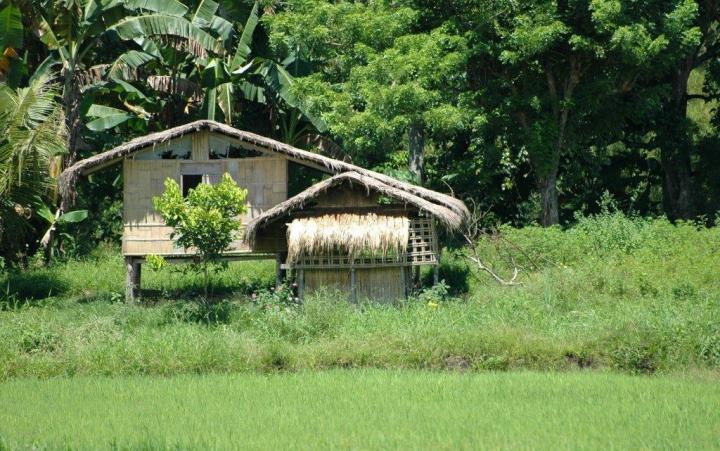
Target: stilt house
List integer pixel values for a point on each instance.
(357, 230)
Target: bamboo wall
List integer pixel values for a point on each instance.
(145, 233)
(385, 284)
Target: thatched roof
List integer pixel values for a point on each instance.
(251, 141)
(351, 233)
(445, 215)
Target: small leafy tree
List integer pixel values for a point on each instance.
(206, 220)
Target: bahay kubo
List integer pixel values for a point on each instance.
(358, 230)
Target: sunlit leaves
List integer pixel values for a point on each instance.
(207, 219)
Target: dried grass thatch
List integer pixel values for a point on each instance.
(349, 233)
(254, 142)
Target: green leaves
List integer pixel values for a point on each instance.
(606, 14)
(107, 117)
(205, 13)
(171, 7)
(126, 65)
(207, 220)
(531, 35)
(243, 46)
(73, 217)
(198, 41)
(11, 28)
(32, 132)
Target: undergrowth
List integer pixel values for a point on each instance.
(634, 295)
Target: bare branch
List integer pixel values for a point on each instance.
(474, 232)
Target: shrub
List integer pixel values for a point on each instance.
(206, 220)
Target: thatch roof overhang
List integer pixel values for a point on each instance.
(253, 141)
(445, 215)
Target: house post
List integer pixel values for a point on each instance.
(301, 284)
(279, 272)
(132, 281)
(353, 286)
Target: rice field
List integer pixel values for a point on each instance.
(364, 409)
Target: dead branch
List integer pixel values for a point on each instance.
(481, 265)
(475, 232)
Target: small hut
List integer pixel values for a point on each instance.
(357, 230)
(356, 234)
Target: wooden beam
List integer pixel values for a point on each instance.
(358, 210)
(100, 166)
(300, 161)
(185, 258)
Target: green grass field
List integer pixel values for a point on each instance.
(364, 409)
(552, 363)
(634, 295)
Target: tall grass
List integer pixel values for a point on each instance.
(636, 295)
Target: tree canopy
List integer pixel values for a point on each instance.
(533, 110)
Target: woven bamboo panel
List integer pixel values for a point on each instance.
(144, 232)
(377, 284)
(422, 250)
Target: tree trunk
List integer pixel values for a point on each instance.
(71, 104)
(678, 197)
(416, 164)
(677, 182)
(547, 185)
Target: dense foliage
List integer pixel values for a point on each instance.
(531, 109)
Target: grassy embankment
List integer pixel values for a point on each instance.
(363, 409)
(611, 292)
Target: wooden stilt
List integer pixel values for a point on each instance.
(301, 284)
(436, 274)
(278, 270)
(132, 281)
(353, 287)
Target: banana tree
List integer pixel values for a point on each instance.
(74, 30)
(211, 80)
(54, 221)
(258, 79)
